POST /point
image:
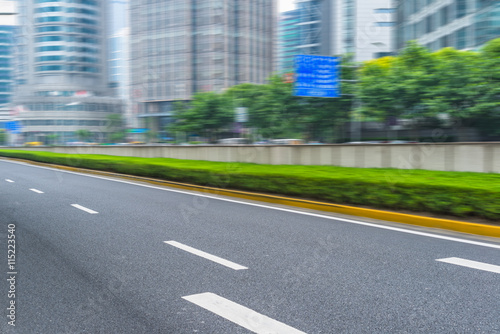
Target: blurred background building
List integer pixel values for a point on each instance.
(360, 28)
(118, 48)
(461, 24)
(7, 31)
(365, 28)
(182, 47)
(62, 71)
(288, 40)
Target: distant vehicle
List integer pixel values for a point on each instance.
(33, 143)
(233, 141)
(286, 142)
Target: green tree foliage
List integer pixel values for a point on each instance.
(83, 135)
(52, 138)
(419, 84)
(208, 115)
(116, 128)
(3, 137)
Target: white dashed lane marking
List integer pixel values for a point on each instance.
(84, 209)
(240, 315)
(471, 264)
(207, 256)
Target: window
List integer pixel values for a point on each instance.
(428, 24)
(49, 19)
(48, 9)
(461, 8)
(385, 24)
(444, 41)
(444, 14)
(49, 68)
(382, 54)
(461, 39)
(50, 48)
(385, 10)
(49, 39)
(49, 28)
(49, 58)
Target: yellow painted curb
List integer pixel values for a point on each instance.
(452, 225)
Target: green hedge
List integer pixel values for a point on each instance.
(453, 193)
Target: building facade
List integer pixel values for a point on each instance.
(462, 24)
(360, 28)
(118, 48)
(7, 33)
(62, 71)
(367, 28)
(181, 47)
(288, 40)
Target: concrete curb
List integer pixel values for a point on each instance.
(452, 225)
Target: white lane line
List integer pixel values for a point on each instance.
(350, 221)
(240, 315)
(471, 264)
(36, 191)
(10, 181)
(84, 208)
(207, 256)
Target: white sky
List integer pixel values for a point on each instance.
(285, 5)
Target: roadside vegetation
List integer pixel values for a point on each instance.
(458, 194)
(448, 89)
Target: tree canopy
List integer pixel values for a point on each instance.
(460, 86)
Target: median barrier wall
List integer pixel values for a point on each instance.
(464, 157)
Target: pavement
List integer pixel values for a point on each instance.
(103, 255)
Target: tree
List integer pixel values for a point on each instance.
(115, 127)
(207, 116)
(3, 137)
(51, 138)
(83, 135)
(151, 136)
(485, 115)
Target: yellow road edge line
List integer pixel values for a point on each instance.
(446, 224)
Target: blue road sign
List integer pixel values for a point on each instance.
(317, 76)
(13, 127)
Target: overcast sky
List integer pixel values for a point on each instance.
(285, 5)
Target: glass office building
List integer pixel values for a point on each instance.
(6, 63)
(7, 33)
(462, 24)
(62, 70)
(288, 40)
(362, 29)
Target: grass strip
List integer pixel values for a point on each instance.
(460, 194)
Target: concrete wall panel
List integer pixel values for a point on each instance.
(473, 157)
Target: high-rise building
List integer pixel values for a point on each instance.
(180, 47)
(7, 31)
(311, 22)
(361, 28)
(62, 77)
(462, 24)
(288, 40)
(365, 28)
(118, 48)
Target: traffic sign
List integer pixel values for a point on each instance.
(317, 76)
(13, 126)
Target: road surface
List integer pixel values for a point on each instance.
(99, 255)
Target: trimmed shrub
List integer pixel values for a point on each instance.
(452, 193)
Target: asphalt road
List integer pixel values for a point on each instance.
(95, 255)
